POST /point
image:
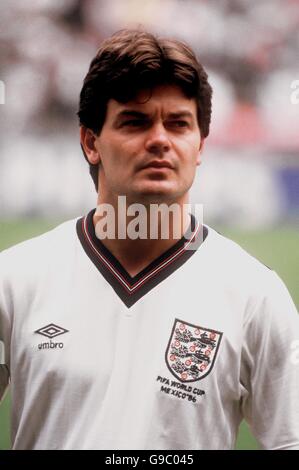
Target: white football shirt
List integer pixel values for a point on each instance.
(172, 358)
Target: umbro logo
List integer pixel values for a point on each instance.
(51, 331)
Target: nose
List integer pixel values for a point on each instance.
(157, 140)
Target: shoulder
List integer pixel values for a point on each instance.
(38, 251)
(228, 256)
(241, 273)
(266, 295)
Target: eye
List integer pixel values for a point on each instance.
(134, 123)
(179, 124)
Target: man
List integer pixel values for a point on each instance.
(125, 342)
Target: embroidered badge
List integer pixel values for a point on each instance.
(191, 351)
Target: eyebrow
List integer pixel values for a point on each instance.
(132, 114)
(140, 115)
(180, 114)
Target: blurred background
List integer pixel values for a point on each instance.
(249, 178)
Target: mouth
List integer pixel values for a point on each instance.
(158, 165)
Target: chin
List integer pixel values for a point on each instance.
(156, 195)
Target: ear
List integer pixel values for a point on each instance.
(88, 141)
(200, 150)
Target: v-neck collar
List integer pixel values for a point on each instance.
(131, 289)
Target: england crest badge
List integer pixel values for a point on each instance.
(191, 351)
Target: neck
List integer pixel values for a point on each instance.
(136, 235)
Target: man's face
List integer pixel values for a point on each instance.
(149, 148)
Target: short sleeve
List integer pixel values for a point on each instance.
(270, 368)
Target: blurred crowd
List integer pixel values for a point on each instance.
(250, 50)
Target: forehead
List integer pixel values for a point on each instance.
(161, 99)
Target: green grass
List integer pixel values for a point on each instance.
(277, 249)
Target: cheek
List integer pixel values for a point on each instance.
(188, 148)
(120, 155)
(189, 156)
(110, 159)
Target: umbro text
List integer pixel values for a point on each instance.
(50, 345)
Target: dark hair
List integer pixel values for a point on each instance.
(132, 60)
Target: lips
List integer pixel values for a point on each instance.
(158, 164)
